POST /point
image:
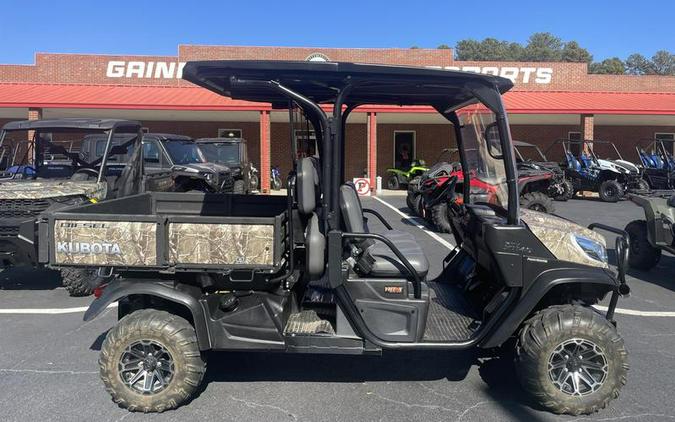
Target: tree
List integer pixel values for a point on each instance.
(573, 52)
(543, 47)
(663, 63)
(443, 47)
(613, 66)
(414, 47)
(468, 50)
(637, 64)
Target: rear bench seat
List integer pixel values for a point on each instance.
(377, 260)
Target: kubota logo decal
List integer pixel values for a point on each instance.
(86, 248)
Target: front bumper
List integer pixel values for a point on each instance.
(622, 248)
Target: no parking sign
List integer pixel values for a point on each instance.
(362, 186)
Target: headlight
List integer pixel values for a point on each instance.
(593, 249)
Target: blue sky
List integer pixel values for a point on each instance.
(606, 28)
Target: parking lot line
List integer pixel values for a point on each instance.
(638, 313)
(414, 222)
(48, 311)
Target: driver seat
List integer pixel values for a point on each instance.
(377, 259)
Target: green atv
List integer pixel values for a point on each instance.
(398, 177)
(654, 234)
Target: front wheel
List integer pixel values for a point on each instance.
(641, 254)
(151, 362)
(393, 183)
(571, 359)
(610, 191)
(537, 201)
(567, 191)
(641, 185)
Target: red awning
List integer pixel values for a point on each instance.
(199, 99)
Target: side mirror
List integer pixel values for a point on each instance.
(493, 140)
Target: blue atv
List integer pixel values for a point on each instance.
(658, 165)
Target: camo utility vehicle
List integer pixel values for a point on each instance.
(49, 174)
(188, 165)
(655, 233)
(303, 274)
(232, 152)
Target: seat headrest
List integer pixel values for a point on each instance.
(350, 206)
(315, 244)
(306, 184)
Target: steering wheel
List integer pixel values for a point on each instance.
(85, 171)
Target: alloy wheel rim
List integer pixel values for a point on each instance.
(146, 367)
(578, 367)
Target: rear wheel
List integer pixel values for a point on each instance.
(571, 359)
(151, 362)
(610, 191)
(238, 187)
(537, 201)
(641, 254)
(392, 182)
(439, 216)
(78, 281)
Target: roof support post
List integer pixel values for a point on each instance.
(587, 125)
(265, 151)
(372, 150)
(33, 114)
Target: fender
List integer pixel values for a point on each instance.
(121, 289)
(600, 278)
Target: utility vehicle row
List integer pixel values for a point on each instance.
(78, 161)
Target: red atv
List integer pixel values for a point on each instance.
(430, 194)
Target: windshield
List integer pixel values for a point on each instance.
(221, 152)
(529, 153)
(604, 150)
(482, 150)
(183, 152)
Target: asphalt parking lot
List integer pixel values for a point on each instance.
(48, 361)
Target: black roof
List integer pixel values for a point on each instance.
(71, 123)
(320, 81)
(171, 136)
(220, 140)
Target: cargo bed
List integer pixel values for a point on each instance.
(170, 232)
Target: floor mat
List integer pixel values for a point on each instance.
(451, 317)
(307, 322)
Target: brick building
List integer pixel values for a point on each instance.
(549, 101)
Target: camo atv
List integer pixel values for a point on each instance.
(49, 176)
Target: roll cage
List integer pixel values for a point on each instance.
(109, 127)
(654, 148)
(328, 92)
